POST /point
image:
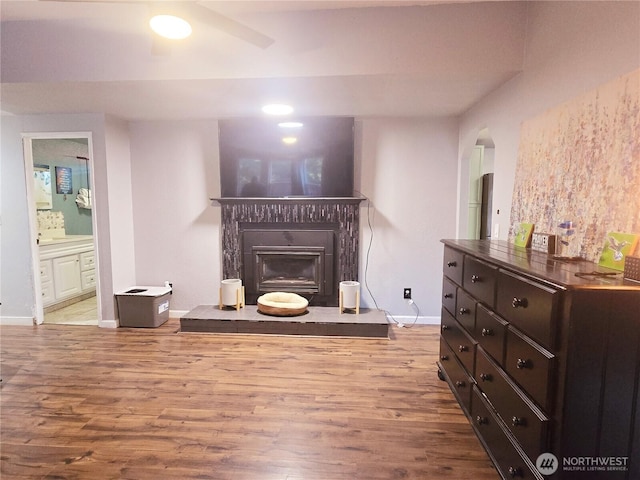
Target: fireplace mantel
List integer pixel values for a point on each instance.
(341, 213)
(287, 200)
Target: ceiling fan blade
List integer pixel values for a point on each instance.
(226, 24)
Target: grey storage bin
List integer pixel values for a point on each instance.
(143, 306)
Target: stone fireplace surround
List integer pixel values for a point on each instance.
(339, 215)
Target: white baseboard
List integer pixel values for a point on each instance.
(410, 319)
(108, 324)
(21, 321)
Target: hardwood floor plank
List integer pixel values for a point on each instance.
(81, 402)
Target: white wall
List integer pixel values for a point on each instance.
(16, 293)
(571, 48)
(177, 229)
(408, 171)
(118, 211)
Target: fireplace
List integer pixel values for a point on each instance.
(290, 258)
(301, 245)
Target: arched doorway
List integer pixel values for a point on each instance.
(480, 184)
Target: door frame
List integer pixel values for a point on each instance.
(27, 147)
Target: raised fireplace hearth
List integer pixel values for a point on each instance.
(302, 245)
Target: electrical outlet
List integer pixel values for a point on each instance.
(406, 294)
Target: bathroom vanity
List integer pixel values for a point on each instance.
(67, 269)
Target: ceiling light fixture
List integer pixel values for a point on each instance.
(290, 125)
(277, 109)
(289, 140)
(170, 26)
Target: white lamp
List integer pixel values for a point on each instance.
(231, 293)
(350, 296)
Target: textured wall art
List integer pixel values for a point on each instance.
(580, 162)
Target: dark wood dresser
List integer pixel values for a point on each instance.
(543, 361)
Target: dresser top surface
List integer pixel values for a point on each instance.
(567, 274)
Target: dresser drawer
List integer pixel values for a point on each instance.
(480, 280)
(457, 377)
(449, 295)
(530, 306)
(525, 421)
(460, 341)
(466, 310)
(531, 366)
(491, 333)
(452, 264)
(502, 452)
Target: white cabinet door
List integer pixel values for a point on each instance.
(66, 276)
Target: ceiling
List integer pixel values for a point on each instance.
(361, 58)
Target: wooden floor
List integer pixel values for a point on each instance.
(79, 402)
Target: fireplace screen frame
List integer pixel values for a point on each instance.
(312, 284)
(315, 243)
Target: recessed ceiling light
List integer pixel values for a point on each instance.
(289, 140)
(290, 124)
(277, 109)
(169, 26)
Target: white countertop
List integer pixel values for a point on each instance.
(65, 239)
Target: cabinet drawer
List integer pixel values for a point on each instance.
(88, 279)
(457, 377)
(449, 295)
(466, 310)
(480, 280)
(46, 271)
(48, 294)
(530, 306)
(491, 333)
(499, 447)
(453, 264)
(87, 260)
(460, 341)
(525, 421)
(531, 366)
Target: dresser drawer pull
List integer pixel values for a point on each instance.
(486, 332)
(444, 358)
(520, 363)
(485, 377)
(444, 328)
(448, 295)
(482, 420)
(518, 422)
(519, 302)
(464, 311)
(452, 264)
(460, 384)
(475, 278)
(515, 472)
(463, 348)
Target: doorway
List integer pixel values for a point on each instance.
(59, 174)
(480, 199)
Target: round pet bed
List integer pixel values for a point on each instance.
(282, 304)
